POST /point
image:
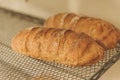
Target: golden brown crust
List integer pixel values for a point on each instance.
(63, 46)
(101, 31)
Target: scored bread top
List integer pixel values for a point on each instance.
(60, 45)
(100, 30)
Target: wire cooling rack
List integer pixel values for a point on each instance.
(15, 66)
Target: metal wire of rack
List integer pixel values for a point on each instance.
(14, 66)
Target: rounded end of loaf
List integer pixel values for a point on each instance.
(94, 48)
(84, 52)
(92, 53)
(59, 20)
(105, 33)
(18, 41)
(110, 38)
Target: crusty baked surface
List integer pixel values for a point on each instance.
(59, 45)
(102, 31)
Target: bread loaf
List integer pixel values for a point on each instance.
(59, 45)
(102, 31)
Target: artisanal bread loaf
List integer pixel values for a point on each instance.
(59, 45)
(102, 31)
